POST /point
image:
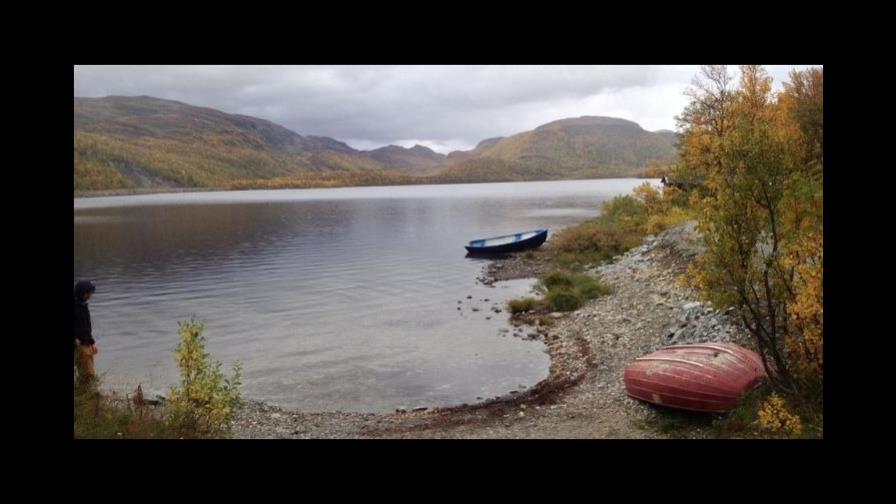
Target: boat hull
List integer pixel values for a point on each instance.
(709, 377)
(525, 244)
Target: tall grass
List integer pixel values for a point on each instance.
(99, 416)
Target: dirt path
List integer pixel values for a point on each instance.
(583, 396)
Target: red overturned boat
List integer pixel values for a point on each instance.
(710, 377)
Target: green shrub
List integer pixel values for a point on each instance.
(206, 400)
(520, 305)
(564, 299)
(583, 285)
(566, 290)
(557, 278)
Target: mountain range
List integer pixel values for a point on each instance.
(144, 142)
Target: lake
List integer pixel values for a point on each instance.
(332, 299)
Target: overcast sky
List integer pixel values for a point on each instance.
(442, 107)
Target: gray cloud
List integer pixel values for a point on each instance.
(442, 107)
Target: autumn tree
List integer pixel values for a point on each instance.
(759, 159)
(802, 113)
(705, 121)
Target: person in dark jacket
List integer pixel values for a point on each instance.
(85, 346)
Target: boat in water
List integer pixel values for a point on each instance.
(710, 377)
(508, 243)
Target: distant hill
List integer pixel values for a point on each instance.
(588, 146)
(458, 156)
(144, 142)
(141, 141)
(147, 117)
(416, 159)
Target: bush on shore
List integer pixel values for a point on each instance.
(201, 407)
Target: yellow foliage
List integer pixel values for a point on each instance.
(651, 198)
(807, 309)
(206, 400)
(760, 158)
(775, 417)
(663, 211)
(672, 217)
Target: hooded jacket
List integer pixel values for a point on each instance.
(81, 325)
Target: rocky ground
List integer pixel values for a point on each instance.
(583, 396)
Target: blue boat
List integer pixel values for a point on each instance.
(508, 243)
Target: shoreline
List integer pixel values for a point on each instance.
(143, 190)
(98, 193)
(583, 395)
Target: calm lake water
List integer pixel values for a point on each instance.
(332, 299)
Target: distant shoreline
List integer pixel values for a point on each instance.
(143, 190)
(163, 190)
